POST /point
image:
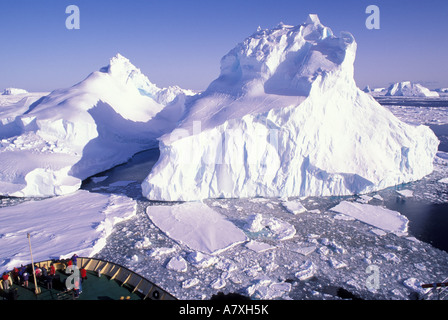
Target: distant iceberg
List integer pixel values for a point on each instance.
(409, 89)
(285, 118)
(13, 91)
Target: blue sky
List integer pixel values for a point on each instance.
(181, 43)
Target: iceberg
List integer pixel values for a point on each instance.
(409, 89)
(71, 134)
(285, 118)
(13, 91)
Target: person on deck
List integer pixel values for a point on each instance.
(44, 272)
(75, 259)
(83, 274)
(15, 275)
(5, 279)
(25, 277)
(48, 279)
(52, 270)
(37, 271)
(21, 271)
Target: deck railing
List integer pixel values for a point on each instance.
(116, 272)
(439, 291)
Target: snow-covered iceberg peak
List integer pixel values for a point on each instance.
(120, 66)
(124, 71)
(285, 118)
(273, 60)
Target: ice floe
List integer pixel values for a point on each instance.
(196, 226)
(379, 217)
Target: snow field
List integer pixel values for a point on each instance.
(59, 227)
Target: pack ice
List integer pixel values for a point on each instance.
(49, 146)
(285, 118)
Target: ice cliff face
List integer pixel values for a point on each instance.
(74, 133)
(285, 118)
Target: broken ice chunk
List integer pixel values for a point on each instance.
(364, 198)
(201, 260)
(265, 289)
(305, 250)
(391, 257)
(415, 285)
(142, 244)
(323, 250)
(337, 248)
(276, 228)
(157, 252)
(307, 270)
(258, 246)
(190, 283)
(336, 264)
(406, 193)
(218, 283)
(294, 207)
(255, 223)
(177, 264)
(378, 197)
(341, 216)
(420, 266)
(281, 230)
